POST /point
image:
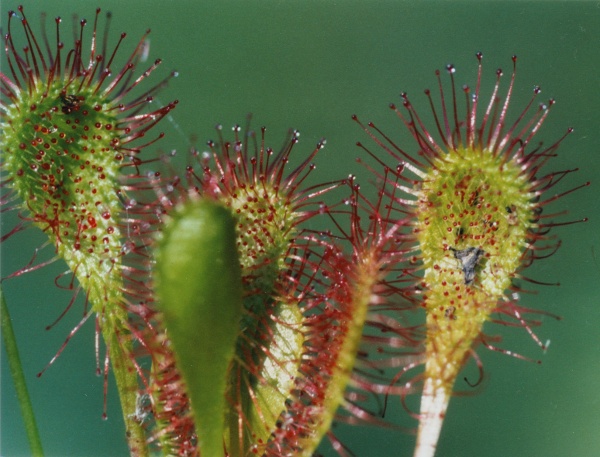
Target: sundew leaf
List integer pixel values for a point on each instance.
(263, 397)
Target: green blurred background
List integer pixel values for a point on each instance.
(310, 65)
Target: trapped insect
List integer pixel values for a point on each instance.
(469, 258)
(70, 103)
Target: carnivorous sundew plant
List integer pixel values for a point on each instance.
(298, 311)
(475, 202)
(71, 131)
(244, 309)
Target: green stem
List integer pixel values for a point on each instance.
(16, 370)
(127, 384)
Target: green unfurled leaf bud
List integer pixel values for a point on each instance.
(199, 290)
